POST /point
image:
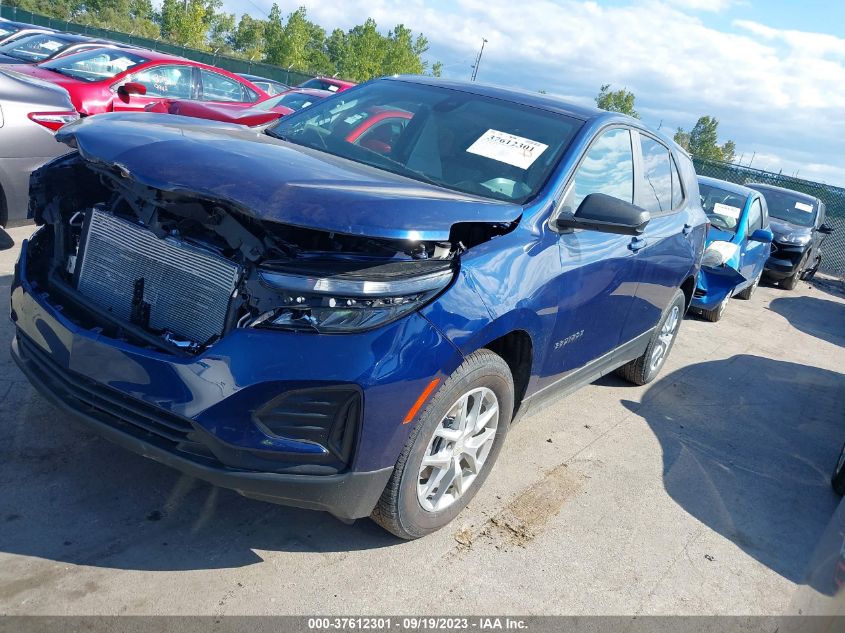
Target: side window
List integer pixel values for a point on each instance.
(607, 167)
(657, 176)
(677, 187)
(755, 216)
(216, 87)
(174, 82)
(765, 212)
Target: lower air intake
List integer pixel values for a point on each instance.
(162, 285)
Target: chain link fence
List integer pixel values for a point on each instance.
(232, 64)
(833, 250)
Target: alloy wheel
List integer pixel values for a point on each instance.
(665, 338)
(458, 449)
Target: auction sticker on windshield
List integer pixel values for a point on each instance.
(803, 206)
(507, 148)
(726, 210)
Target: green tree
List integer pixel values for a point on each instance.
(185, 23)
(367, 50)
(728, 151)
(617, 101)
(248, 37)
(702, 141)
(403, 53)
(296, 43)
(135, 17)
(61, 9)
(682, 138)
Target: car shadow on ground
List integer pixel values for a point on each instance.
(748, 446)
(69, 496)
(822, 318)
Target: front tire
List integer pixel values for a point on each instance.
(789, 283)
(452, 449)
(645, 368)
(718, 312)
(748, 292)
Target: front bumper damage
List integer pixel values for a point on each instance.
(785, 260)
(714, 286)
(198, 413)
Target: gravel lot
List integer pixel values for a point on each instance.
(702, 493)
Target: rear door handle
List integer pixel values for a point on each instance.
(636, 244)
(687, 229)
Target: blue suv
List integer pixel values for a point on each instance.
(346, 310)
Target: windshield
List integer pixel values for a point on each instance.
(34, 48)
(792, 208)
(722, 207)
(465, 142)
(5, 29)
(95, 65)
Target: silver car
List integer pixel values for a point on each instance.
(13, 30)
(31, 111)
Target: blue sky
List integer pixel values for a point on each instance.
(771, 71)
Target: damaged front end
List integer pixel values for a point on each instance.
(176, 271)
(719, 275)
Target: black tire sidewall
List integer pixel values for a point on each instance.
(413, 518)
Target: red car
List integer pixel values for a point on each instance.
(327, 83)
(124, 79)
(244, 114)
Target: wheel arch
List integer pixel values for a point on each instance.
(688, 288)
(517, 349)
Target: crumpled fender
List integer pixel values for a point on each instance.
(716, 283)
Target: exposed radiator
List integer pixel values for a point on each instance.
(158, 284)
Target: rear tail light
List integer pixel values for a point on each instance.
(53, 120)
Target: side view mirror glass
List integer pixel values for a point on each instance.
(6, 241)
(826, 229)
(761, 235)
(600, 212)
(132, 88)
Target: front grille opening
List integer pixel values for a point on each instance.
(110, 405)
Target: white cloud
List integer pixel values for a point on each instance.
(780, 92)
(704, 5)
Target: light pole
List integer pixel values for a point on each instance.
(478, 59)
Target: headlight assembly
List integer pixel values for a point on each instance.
(717, 253)
(797, 239)
(349, 298)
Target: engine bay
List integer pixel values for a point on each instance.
(176, 271)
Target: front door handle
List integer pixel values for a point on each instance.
(636, 244)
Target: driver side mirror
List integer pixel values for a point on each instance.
(6, 241)
(600, 212)
(761, 235)
(132, 88)
(826, 229)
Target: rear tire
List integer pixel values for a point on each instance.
(838, 478)
(644, 369)
(416, 501)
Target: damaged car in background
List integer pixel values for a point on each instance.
(352, 327)
(738, 243)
